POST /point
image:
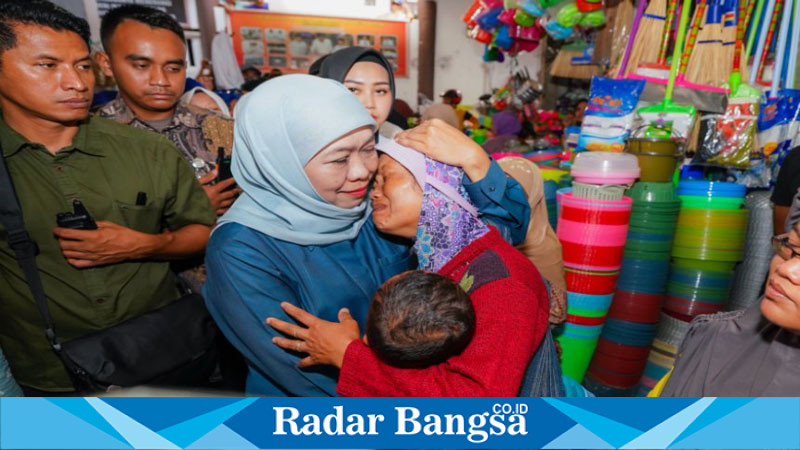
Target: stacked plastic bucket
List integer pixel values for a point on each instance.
(709, 240)
(550, 157)
(627, 336)
(592, 226)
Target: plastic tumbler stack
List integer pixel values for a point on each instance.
(630, 327)
(592, 227)
(709, 241)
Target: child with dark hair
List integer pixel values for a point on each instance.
(418, 319)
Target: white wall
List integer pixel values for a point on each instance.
(459, 59)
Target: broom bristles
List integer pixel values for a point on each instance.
(706, 63)
(648, 36)
(562, 66)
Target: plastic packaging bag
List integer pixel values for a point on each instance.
(728, 139)
(609, 114)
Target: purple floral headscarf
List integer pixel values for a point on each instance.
(448, 222)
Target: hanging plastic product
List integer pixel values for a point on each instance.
(609, 115)
(728, 139)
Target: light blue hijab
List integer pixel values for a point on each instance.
(279, 127)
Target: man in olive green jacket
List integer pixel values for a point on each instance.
(145, 199)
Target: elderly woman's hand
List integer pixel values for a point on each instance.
(324, 342)
(449, 145)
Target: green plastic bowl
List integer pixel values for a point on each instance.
(694, 201)
(650, 192)
(717, 266)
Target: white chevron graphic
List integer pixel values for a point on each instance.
(138, 435)
(663, 434)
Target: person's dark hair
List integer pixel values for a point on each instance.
(37, 12)
(251, 85)
(418, 319)
(148, 16)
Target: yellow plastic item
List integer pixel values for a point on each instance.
(553, 174)
(659, 387)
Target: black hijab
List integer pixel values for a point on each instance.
(336, 65)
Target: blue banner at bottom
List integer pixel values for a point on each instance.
(383, 423)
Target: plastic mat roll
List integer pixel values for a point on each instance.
(752, 271)
(669, 336)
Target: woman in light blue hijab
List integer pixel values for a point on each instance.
(304, 156)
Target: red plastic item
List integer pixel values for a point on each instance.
(588, 321)
(612, 348)
(622, 366)
(604, 217)
(592, 255)
(472, 12)
(636, 307)
(582, 283)
(589, 5)
(483, 36)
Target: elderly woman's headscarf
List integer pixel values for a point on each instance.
(187, 98)
(336, 65)
(448, 222)
(275, 134)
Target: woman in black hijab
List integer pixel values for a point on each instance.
(369, 76)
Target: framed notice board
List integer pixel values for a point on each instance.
(291, 43)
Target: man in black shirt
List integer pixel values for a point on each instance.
(785, 189)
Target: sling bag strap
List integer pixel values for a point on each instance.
(25, 249)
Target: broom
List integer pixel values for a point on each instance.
(620, 34)
(706, 63)
(668, 116)
(637, 18)
(763, 47)
(562, 65)
(742, 106)
(648, 36)
(729, 31)
(659, 68)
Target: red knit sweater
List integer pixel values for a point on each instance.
(511, 309)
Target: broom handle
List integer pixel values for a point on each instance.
(793, 50)
(768, 40)
(754, 29)
(668, 18)
(781, 51)
(692, 38)
(673, 70)
(737, 55)
(748, 12)
(636, 19)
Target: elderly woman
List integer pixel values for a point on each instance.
(422, 200)
(207, 99)
(301, 232)
(750, 353)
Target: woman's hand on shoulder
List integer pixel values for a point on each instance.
(449, 145)
(324, 342)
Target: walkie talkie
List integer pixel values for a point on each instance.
(223, 165)
(79, 219)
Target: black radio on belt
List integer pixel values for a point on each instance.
(79, 219)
